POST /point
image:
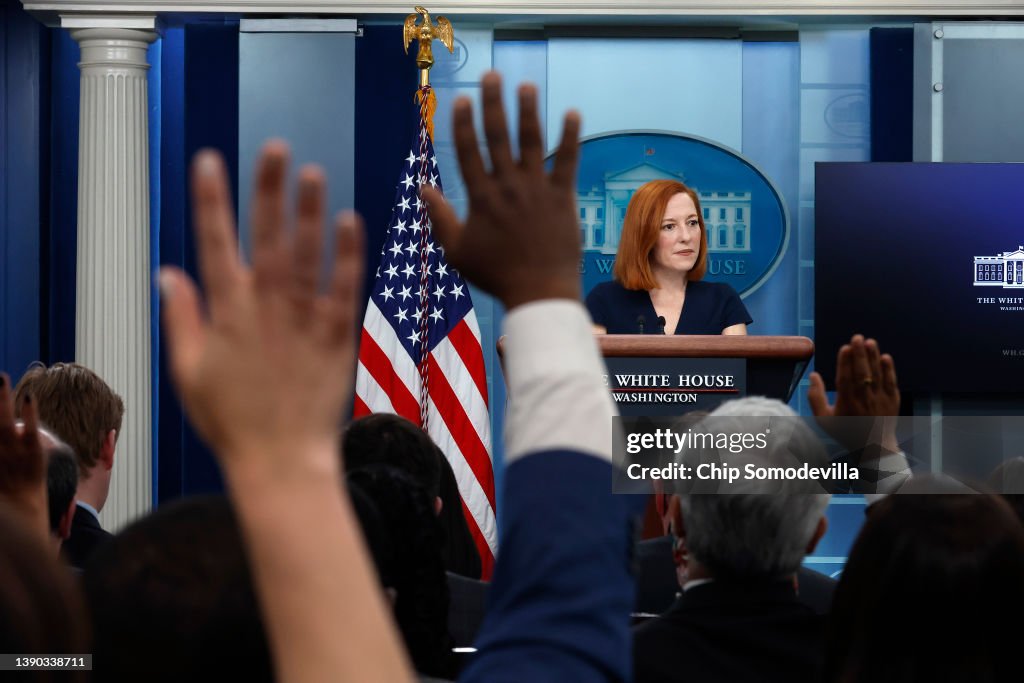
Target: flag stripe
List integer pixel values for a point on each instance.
(461, 429)
(469, 486)
(482, 546)
(385, 392)
(449, 361)
(461, 337)
(370, 393)
(391, 346)
(360, 409)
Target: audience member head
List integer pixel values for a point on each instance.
(751, 532)
(83, 411)
(41, 610)
(61, 484)
(642, 228)
(409, 563)
(386, 439)
(172, 599)
(931, 591)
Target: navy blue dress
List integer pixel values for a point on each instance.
(709, 308)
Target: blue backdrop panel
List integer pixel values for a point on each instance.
(771, 135)
(892, 94)
(680, 85)
(170, 243)
(21, 46)
(60, 286)
(200, 109)
(385, 80)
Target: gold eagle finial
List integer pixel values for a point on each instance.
(425, 33)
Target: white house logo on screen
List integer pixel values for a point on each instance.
(1005, 270)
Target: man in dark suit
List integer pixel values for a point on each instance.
(658, 586)
(80, 408)
(739, 617)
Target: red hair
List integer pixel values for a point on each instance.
(640, 229)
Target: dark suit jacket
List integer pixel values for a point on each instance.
(731, 632)
(657, 585)
(86, 536)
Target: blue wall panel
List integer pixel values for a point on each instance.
(200, 110)
(771, 134)
(60, 286)
(22, 43)
(892, 94)
(169, 241)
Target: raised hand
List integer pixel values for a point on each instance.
(265, 373)
(272, 358)
(520, 240)
(865, 387)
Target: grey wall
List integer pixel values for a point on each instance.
(968, 92)
(298, 85)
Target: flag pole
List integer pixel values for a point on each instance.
(425, 33)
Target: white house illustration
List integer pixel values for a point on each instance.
(1005, 270)
(726, 214)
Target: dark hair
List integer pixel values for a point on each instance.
(411, 565)
(76, 404)
(172, 599)
(386, 439)
(41, 610)
(61, 482)
(932, 591)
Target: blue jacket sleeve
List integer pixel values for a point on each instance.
(562, 590)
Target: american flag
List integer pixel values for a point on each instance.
(420, 354)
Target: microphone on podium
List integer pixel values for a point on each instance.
(661, 323)
(640, 323)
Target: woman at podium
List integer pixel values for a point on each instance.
(657, 286)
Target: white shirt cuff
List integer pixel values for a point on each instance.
(554, 369)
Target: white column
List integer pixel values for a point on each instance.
(112, 313)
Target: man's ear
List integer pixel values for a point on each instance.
(819, 531)
(107, 449)
(64, 526)
(438, 505)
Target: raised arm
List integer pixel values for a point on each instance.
(864, 415)
(561, 595)
(264, 375)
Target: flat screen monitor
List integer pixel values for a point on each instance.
(928, 258)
